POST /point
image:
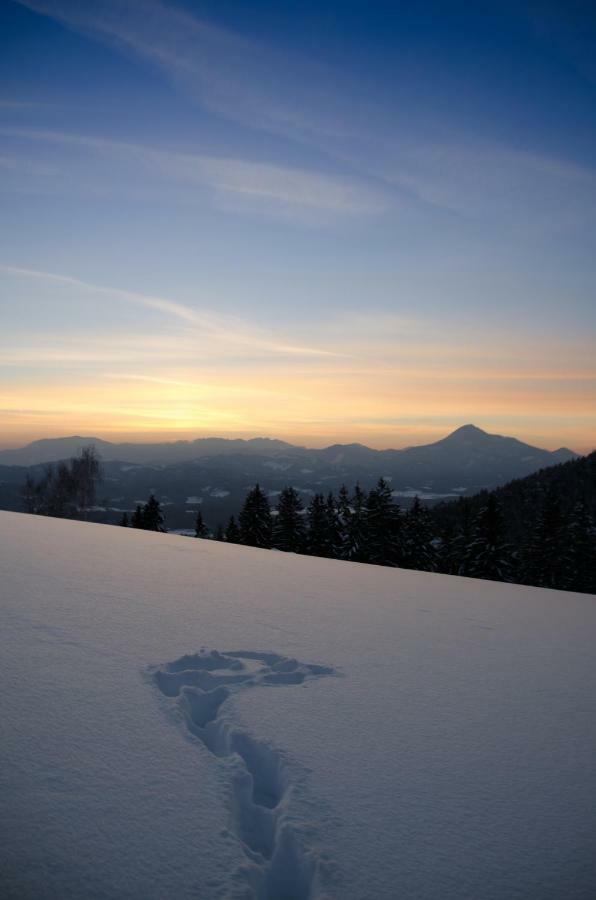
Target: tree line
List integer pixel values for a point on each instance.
(470, 537)
(539, 530)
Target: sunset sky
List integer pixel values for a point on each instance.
(318, 221)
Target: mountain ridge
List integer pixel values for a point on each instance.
(47, 450)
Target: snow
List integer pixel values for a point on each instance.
(194, 501)
(423, 494)
(190, 719)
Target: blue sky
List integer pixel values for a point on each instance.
(352, 221)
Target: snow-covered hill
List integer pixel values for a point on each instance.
(185, 719)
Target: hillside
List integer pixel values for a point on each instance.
(348, 732)
(543, 524)
(573, 481)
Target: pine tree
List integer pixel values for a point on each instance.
(201, 530)
(137, 518)
(419, 550)
(546, 558)
(289, 531)
(124, 521)
(152, 516)
(219, 533)
(255, 520)
(489, 556)
(333, 526)
(582, 550)
(318, 541)
(344, 516)
(232, 533)
(455, 544)
(355, 544)
(384, 532)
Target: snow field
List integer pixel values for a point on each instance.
(453, 757)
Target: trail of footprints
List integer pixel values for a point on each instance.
(280, 864)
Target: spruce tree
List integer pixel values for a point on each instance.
(454, 551)
(219, 533)
(201, 530)
(318, 542)
(582, 550)
(289, 531)
(355, 545)
(124, 521)
(255, 520)
(384, 532)
(546, 558)
(489, 556)
(419, 551)
(344, 515)
(137, 518)
(333, 527)
(232, 533)
(152, 516)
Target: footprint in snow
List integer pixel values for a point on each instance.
(281, 862)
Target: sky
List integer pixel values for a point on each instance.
(317, 221)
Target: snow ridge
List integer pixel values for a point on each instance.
(282, 864)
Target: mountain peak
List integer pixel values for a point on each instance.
(467, 432)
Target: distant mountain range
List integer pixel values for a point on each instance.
(213, 474)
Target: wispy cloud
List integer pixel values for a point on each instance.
(272, 186)
(306, 101)
(240, 79)
(227, 330)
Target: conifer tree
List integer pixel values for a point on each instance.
(419, 551)
(255, 519)
(333, 526)
(446, 563)
(152, 516)
(232, 533)
(318, 539)
(201, 530)
(489, 555)
(344, 515)
(546, 558)
(137, 518)
(355, 545)
(454, 550)
(582, 550)
(289, 531)
(219, 533)
(124, 520)
(384, 532)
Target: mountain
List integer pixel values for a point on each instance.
(53, 449)
(214, 474)
(187, 719)
(467, 444)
